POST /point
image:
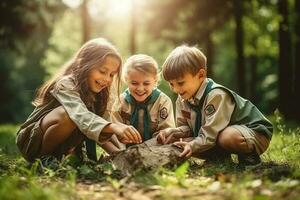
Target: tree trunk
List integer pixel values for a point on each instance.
(209, 54)
(285, 63)
(132, 39)
(297, 58)
(86, 26)
(253, 78)
(239, 42)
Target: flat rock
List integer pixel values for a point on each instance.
(146, 156)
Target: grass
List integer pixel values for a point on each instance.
(277, 178)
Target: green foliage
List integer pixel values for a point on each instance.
(181, 171)
(49, 178)
(62, 48)
(15, 187)
(25, 29)
(285, 144)
(7, 138)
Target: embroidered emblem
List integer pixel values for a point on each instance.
(163, 113)
(186, 114)
(209, 109)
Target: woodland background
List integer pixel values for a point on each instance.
(253, 46)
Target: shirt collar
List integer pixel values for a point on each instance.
(199, 93)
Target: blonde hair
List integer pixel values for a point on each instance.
(91, 54)
(142, 63)
(183, 59)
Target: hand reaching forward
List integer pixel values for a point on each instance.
(169, 135)
(126, 133)
(187, 148)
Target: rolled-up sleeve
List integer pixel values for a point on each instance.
(88, 122)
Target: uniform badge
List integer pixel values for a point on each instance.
(210, 109)
(163, 113)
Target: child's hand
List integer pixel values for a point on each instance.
(127, 134)
(169, 135)
(187, 148)
(165, 136)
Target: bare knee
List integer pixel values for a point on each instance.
(63, 117)
(231, 139)
(59, 117)
(57, 128)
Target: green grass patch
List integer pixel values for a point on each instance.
(277, 178)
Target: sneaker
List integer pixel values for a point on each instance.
(249, 160)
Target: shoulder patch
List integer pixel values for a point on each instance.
(186, 114)
(163, 113)
(209, 109)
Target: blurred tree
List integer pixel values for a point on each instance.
(213, 24)
(65, 40)
(238, 9)
(133, 31)
(25, 27)
(6, 88)
(285, 62)
(260, 25)
(86, 22)
(192, 22)
(13, 26)
(297, 58)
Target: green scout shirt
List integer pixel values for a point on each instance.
(221, 108)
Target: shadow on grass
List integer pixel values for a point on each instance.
(274, 171)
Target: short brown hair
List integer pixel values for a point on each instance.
(183, 59)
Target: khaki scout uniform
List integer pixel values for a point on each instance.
(222, 108)
(161, 114)
(29, 137)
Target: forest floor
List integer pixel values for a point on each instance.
(277, 178)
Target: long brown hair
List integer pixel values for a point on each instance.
(93, 52)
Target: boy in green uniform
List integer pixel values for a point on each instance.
(212, 120)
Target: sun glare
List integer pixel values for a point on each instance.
(111, 8)
(120, 7)
(106, 8)
(72, 3)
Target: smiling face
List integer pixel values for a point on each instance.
(140, 84)
(102, 76)
(187, 85)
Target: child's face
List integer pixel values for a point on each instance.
(140, 84)
(188, 85)
(101, 76)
